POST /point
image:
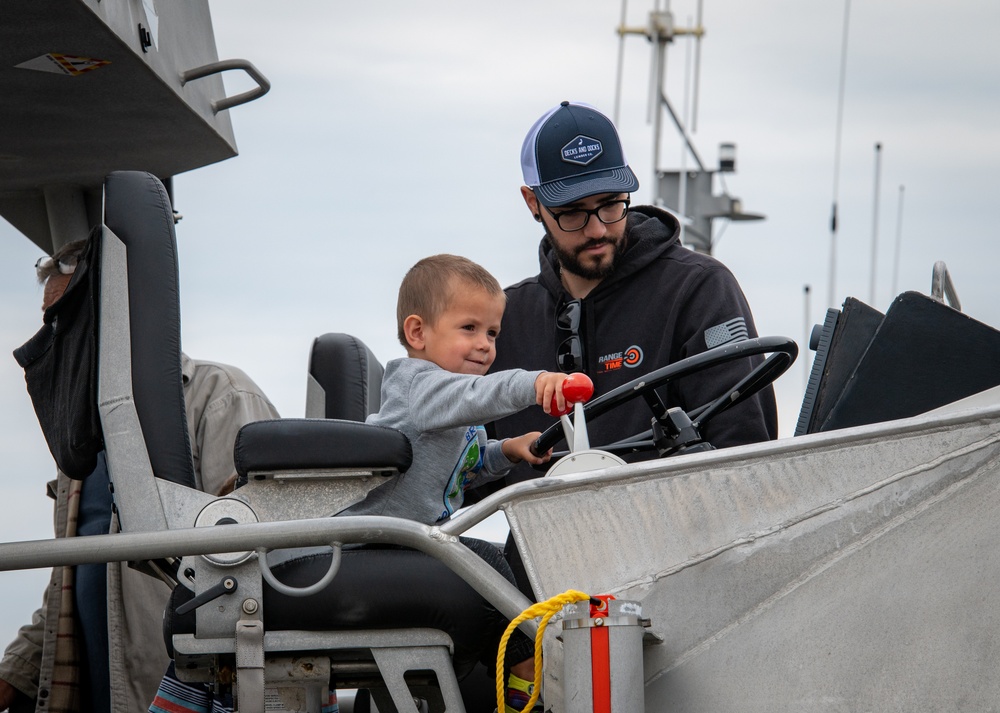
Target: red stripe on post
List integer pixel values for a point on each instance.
(600, 669)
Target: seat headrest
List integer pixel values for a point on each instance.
(345, 379)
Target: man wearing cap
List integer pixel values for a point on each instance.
(618, 295)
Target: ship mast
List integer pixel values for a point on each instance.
(686, 192)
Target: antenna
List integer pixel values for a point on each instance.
(660, 32)
(805, 331)
(682, 197)
(836, 157)
(899, 241)
(878, 173)
(698, 32)
(621, 61)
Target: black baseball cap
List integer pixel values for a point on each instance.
(572, 152)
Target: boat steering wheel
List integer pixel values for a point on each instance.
(782, 352)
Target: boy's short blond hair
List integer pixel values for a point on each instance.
(429, 286)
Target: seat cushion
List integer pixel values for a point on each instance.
(319, 444)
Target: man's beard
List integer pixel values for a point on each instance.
(570, 261)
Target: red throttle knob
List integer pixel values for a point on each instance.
(577, 388)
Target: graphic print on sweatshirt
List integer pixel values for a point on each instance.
(735, 330)
(470, 462)
(630, 357)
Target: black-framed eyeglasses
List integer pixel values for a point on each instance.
(65, 265)
(569, 353)
(572, 220)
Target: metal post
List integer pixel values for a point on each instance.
(660, 70)
(66, 209)
(874, 271)
(899, 241)
(602, 657)
(621, 62)
(682, 207)
(807, 328)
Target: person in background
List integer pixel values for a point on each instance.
(73, 656)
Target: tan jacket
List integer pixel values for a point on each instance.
(42, 662)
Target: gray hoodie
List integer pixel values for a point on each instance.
(439, 412)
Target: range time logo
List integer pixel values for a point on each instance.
(631, 358)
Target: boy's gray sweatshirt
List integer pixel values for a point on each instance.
(440, 413)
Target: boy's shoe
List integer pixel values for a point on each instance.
(518, 694)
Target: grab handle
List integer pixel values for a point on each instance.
(290, 591)
(263, 86)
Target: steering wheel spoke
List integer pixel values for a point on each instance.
(655, 404)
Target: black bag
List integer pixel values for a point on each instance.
(60, 368)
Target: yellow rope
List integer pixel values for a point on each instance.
(546, 610)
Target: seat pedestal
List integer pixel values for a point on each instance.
(390, 655)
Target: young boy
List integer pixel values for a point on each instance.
(448, 316)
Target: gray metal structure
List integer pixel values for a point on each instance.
(691, 193)
(100, 86)
(850, 570)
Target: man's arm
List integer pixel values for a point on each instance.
(21, 662)
(724, 315)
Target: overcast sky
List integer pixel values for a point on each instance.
(392, 132)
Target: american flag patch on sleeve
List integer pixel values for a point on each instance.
(734, 330)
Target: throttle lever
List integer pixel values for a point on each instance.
(577, 389)
(227, 585)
